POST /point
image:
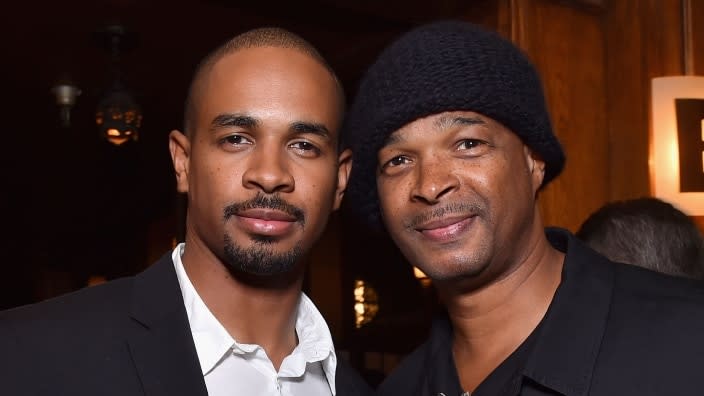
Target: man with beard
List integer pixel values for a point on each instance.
(452, 143)
(224, 312)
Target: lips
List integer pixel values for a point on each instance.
(266, 221)
(446, 229)
(267, 214)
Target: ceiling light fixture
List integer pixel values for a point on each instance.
(118, 115)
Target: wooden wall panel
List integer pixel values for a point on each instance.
(597, 59)
(566, 42)
(697, 36)
(643, 41)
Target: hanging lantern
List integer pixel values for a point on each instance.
(118, 115)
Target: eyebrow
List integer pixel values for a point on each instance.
(230, 120)
(246, 121)
(311, 127)
(392, 138)
(450, 121)
(442, 123)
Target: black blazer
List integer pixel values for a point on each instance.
(127, 337)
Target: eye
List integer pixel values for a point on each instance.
(395, 161)
(235, 140)
(305, 148)
(471, 148)
(469, 144)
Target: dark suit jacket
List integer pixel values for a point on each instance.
(127, 337)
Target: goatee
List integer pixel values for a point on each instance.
(260, 259)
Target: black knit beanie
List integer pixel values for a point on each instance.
(438, 67)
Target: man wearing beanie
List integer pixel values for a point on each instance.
(452, 144)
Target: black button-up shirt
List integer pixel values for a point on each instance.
(611, 329)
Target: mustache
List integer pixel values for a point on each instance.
(436, 213)
(261, 201)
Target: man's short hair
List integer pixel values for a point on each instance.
(647, 232)
(260, 37)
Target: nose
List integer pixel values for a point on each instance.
(268, 171)
(433, 181)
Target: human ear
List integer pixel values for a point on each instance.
(180, 148)
(344, 167)
(536, 167)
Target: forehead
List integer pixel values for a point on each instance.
(265, 79)
(265, 60)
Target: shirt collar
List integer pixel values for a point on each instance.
(443, 376)
(565, 353)
(566, 348)
(212, 341)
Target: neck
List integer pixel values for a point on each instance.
(490, 323)
(262, 313)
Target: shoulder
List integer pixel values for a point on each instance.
(348, 382)
(628, 284)
(85, 308)
(98, 303)
(406, 378)
(426, 365)
(653, 337)
(657, 306)
(640, 280)
(649, 292)
(644, 328)
(82, 327)
(653, 334)
(649, 303)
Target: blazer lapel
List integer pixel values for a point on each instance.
(161, 344)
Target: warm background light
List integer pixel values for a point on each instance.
(664, 161)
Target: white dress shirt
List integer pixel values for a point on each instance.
(233, 368)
